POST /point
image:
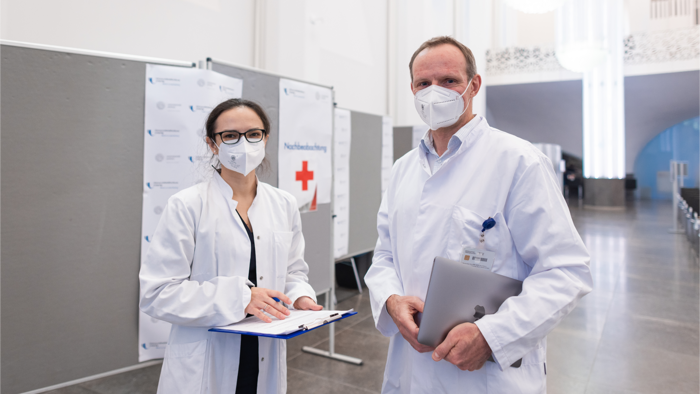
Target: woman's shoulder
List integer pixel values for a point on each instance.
(280, 195)
(191, 196)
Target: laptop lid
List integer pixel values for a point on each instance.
(459, 293)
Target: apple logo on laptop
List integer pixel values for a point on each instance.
(479, 312)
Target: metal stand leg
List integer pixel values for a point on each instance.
(330, 353)
(580, 196)
(675, 208)
(676, 197)
(357, 276)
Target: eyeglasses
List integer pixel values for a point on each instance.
(231, 137)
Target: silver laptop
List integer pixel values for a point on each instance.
(459, 293)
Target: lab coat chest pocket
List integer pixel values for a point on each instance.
(282, 245)
(183, 368)
(466, 231)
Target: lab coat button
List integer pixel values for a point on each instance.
(261, 278)
(258, 237)
(262, 359)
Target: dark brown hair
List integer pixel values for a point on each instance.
(231, 104)
(442, 40)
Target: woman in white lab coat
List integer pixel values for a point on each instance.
(222, 250)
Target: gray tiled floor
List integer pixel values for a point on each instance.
(637, 333)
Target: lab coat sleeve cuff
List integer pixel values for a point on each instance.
(499, 354)
(385, 324)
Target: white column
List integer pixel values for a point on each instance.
(604, 103)
(473, 27)
(590, 40)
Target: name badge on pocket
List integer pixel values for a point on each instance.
(477, 257)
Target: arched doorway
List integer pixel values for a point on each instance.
(680, 142)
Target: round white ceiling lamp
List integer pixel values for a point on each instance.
(581, 56)
(535, 6)
(581, 39)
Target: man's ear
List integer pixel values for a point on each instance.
(476, 81)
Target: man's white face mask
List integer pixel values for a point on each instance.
(440, 107)
(242, 157)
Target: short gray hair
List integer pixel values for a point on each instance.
(441, 40)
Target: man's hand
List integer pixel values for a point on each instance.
(403, 310)
(305, 303)
(464, 347)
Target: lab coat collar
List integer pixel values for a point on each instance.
(227, 192)
(426, 143)
(225, 189)
(471, 131)
(461, 140)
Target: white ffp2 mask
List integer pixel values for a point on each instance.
(242, 157)
(440, 107)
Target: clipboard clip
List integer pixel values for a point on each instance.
(320, 322)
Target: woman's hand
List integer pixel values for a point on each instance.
(261, 301)
(305, 303)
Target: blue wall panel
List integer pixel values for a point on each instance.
(681, 143)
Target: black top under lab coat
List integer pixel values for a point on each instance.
(248, 367)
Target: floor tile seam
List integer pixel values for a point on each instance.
(377, 334)
(655, 280)
(289, 359)
(88, 389)
(331, 380)
(349, 326)
(616, 388)
(667, 322)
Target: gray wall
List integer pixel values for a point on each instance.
(551, 112)
(72, 172)
(403, 141)
(316, 226)
(365, 181)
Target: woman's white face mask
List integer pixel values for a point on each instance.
(243, 156)
(440, 107)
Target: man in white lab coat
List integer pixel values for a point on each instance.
(439, 196)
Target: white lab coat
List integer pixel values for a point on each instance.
(492, 174)
(194, 276)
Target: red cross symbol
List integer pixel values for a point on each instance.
(305, 175)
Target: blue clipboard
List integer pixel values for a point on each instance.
(288, 336)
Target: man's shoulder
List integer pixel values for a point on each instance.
(505, 145)
(410, 158)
